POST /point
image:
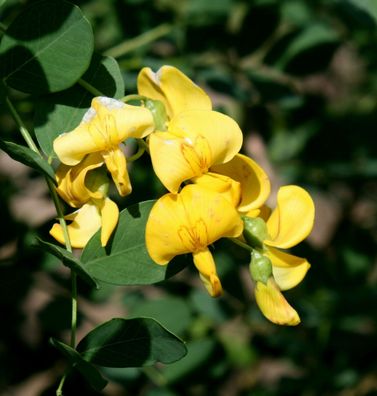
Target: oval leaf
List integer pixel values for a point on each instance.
(47, 48)
(63, 111)
(28, 157)
(69, 260)
(89, 372)
(125, 261)
(131, 343)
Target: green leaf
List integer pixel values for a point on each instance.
(367, 6)
(89, 372)
(313, 35)
(47, 48)
(63, 111)
(125, 261)
(104, 74)
(69, 260)
(198, 352)
(3, 92)
(172, 312)
(131, 343)
(28, 157)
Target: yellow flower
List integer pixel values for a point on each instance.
(196, 138)
(241, 180)
(174, 89)
(289, 224)
(187, 223)
(84, 186)
(104, 126)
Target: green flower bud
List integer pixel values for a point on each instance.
(97, 180)
(159, 113)
(255, 231)
(260, 267)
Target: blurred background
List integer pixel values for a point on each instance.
(300, 77)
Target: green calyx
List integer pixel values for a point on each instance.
(260, 267)
(159, 113)
(255, 231)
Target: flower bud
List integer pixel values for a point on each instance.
(255, 231)
(260, 267)
(158, 111)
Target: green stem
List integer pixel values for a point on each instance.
(240, 243)
(139, 41)
(74, 308)
(21, 126)
(59, 210)
(89, 87)
(143, 143)
(59, 390)
(139, 152)
(128, 98)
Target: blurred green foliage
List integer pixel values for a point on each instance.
(300, 76)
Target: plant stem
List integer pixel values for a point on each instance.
(21, 126)
(128, 98)
(74, 308)
(144, 144)
(139, 41)
(59, 390)
(90, 88)
(59, 211)
(140, 151)
(240, 243)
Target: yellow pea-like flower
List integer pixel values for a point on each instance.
(84, 186)
(196, 138)
(289, 223)
(273, 304)
(188, 222)
(103, 128)
(174, 89)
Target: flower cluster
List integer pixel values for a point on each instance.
(214, 191)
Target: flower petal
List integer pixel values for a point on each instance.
(205, 264)
(71, 181)
(121, 121)
(195, 140)
(109, 217)
(72, 147)
(255, 184)
(288, 270)
(218, 215)
(174, 89)
(85, 223)
(292, 219)
(107, 123)
(224, 185)
(188, 222)
(162, 238)
(168, 160)
(222, 133)
(273, 304)
(116, 164)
